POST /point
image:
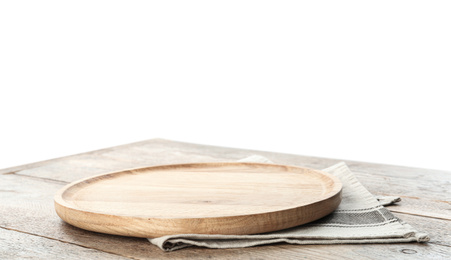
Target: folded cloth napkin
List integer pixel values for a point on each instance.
(360, 218)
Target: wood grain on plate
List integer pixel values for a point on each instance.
(203, 198)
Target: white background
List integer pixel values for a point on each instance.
(353, 80)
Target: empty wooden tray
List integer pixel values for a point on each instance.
(203, 198)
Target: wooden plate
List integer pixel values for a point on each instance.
(205, 198)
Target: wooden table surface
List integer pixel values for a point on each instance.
(30, 228)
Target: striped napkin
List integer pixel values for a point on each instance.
(360, 218)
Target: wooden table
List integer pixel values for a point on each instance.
(30, 228)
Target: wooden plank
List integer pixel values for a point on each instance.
(401, 185)
(17, 245)
(40, 163)
(438, 230)
(76, 167)
(423, 207)
(419, 197)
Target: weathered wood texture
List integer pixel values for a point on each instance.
(19, 245)
(29, 226)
